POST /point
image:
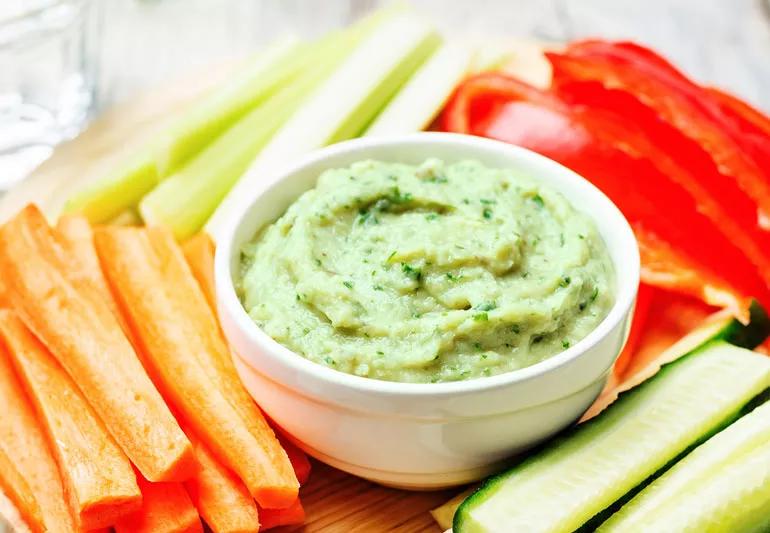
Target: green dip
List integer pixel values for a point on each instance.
(429, 273)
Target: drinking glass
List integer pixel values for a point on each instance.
(47, 73)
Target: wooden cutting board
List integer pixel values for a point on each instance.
(335, 502)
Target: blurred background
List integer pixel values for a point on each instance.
(65, 61)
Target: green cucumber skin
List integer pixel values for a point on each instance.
(751, 335)
(733, 332)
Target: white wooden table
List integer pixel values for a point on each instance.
(724, 42)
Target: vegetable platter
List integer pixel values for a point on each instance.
(682, 408)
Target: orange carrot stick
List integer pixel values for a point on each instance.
(190, 362)
(97, 476)
(217, 360)
(166, 508)
(84, 336)
(24, 444)
(16, 488)
(199, 253)
(77, 238)
(293, 515)
(222, 499)
(299, 459)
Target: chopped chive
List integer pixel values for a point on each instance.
(594, 294)
(348, 284)
(486, 201)
(486, 306)
(391, 256)
(565, 281)
(481, 317)
(565, 344)
(487, 213)
(538, 200)
(378, 288)
(431, 216)
(329, 360)
(412, 272)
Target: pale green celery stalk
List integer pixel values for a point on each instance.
(253, 84)
(342, 107)
(129, 217)
(106, 198)
(184, 201)
(420, 100)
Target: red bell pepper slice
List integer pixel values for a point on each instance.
(677, 100)
(631, 52)
(592, 143)
(683, 161)
(641, 312)
(751, 128)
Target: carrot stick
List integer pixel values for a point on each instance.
(97, 476)
(190, 362)
(199, 252)
(24, 444)
(16, 488)
(166, 508)
(84, 336)
(221, 498)
(77, 238)
(293, 515)
(299, 459)
(217, 360)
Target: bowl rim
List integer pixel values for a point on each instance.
(627, 273)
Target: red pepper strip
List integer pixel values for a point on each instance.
(630, 51)
(641, 311)
(747, 126)
(680, 158)
(677, 100)
(752, 126)
(664, 267)
(749, 120)
(585, 140)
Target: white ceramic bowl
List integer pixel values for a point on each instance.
(422, 436)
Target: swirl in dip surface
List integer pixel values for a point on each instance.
(428, 273)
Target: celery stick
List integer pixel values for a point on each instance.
(419, 101)
(184, 201)
(214, 113)
(129, 217)
(106, 198)
(343, 105)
